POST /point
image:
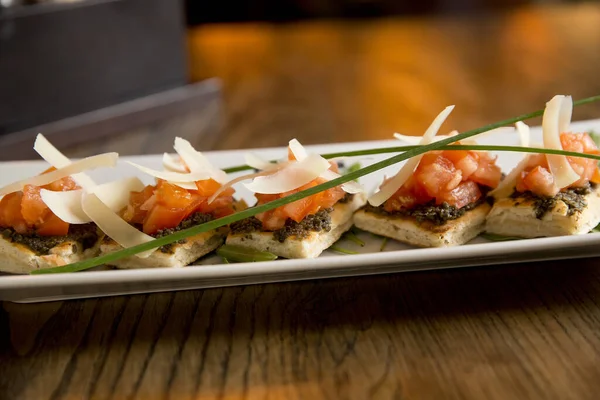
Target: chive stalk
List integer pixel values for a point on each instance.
(342, 250)
(243, 254)
(400, 149)
(383, 244)
(353, 238)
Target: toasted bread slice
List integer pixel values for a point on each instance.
(425, 234)
(312, 245)
(175, 255)
(19, 258)
(517, 217)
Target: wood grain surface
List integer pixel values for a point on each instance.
(526, 331)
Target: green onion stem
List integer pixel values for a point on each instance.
(498, 238)
(383, 244)
(353, 238)
(400, 149)
(208, 226)
(342, 250)
(244, 254)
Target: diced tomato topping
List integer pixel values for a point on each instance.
(466, 193)
(407, 197)
(208, 187)
(10, 213)
(26, 212)
(53, 226)
(297, 210)
(162, 217)
(538, 179)
(33, 208)
(165, 205)
(488, 174)
(172, 196)
(451, 176)
(134, 213)
(438, 174)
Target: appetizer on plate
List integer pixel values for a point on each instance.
(304, 228)
(38, 228)
(550, 195)
(437, 199)
(184, 195)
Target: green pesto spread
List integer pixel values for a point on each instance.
(86, 234)
(574, 198)
(437, 214)
(192, 220)
(319, 222)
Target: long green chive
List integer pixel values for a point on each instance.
(353, 238)
(400, 149)
(383, 244)
(498, 238)
(244, 254)
(342, 250)
(208, 226)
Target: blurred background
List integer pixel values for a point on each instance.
(322, 71)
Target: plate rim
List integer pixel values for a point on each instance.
(356, 265)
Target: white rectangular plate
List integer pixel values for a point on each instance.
(211, 273)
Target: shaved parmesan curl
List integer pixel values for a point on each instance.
(557, 117)
(392, 185)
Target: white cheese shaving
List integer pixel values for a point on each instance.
(295, 175)
(196, 161)
(116, 194)
(240, 179)
(300, 153)
(186, 185)
(172, 164)
(101, 160)
(391, 186)
(297, 150)
(507, 185)
(557, 116)
(254, 161)
(524, 133)
(414, 140)
(66, 205)
(58, 160)
(351, 187)
(112, 225)
(173, 177)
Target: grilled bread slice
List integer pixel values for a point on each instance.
(22, 254)
(424, 234)
(530, 217)
(174, 255)
(306, 244)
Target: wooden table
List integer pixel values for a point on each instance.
(528, 331)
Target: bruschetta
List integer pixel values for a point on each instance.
(306, 227)
(550, 195)
(184, 196)
(435, 200)
(37, 229)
